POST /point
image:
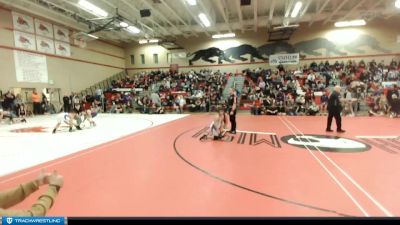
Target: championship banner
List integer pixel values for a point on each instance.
(45, 45)
(30, 67)
(44, 28)
(24, 40)
(63, 49)
(23, 23)
(284, 59)
(61, 34)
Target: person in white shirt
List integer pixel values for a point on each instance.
(349, 102)
(311, 79)
(392, 75)
(313, 109)
(261, 84)
(181, 102)
(216, 131)
(199, 94)
(155, 98)
(67, 118)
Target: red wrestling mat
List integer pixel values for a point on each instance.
(275, 166)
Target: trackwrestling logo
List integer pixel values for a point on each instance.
(34, 220)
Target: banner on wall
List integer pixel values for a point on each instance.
(62, 48)
(45, 45)
(23, 22)
(30, 67)
(284, 59)
(61, 34)
(24, 40)
(44, 28)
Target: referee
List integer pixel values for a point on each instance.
(231, 109)
(334, 109)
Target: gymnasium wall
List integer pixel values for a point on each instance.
(86, 66)
(378, 40)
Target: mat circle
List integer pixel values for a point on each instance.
(326, 143)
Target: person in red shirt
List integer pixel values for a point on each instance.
(255, 110)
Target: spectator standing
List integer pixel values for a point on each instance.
(324, 102)
(9, 101)
(36, 102)
(67, 103)
(349, 102)
(17, 103)
(181, 103)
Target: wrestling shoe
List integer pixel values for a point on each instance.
(204, 137)
(341, 131)
(329, 130)
(54, 131)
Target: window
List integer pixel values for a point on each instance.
(142, 58)
(132, 59)
(155, 58)
(169, 58)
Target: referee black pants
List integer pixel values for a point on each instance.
(36, 108)
(338, 120)
(232, 119)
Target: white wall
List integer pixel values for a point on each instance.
(385, 31)
(85, 67)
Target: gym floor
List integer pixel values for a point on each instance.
(156, 165)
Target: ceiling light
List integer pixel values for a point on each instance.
(143, 41)
(133, 29)
(147, 41)
(287, 27)
(92, 8)
(93, 36)
(204, 20)
(228, 35)
(123, 24)
(191, 2)
(397, 4)
(296, 9)
(351, 23)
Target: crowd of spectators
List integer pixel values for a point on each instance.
(278, 91)
(305, 91)
(157, 92)
(15, 107)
